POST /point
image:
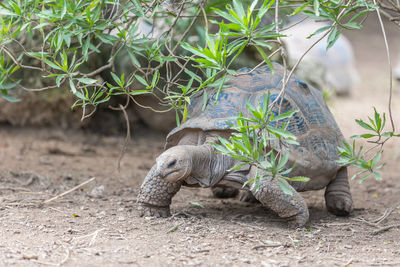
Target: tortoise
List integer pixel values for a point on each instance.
(190, 158)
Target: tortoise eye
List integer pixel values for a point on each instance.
(171, 164)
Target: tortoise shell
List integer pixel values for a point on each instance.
(317, 132)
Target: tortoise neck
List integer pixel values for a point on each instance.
(208, 168)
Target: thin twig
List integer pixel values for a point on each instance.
(10, 54)
(386, 214)
(94, 236)
(14, 189)
(70, 190)
(390, 67)
(383, 229)
(91, 243)
(84, 115)
(65, 259)
(301, 58)
(108, 66)
(148, 107)
(38, 89)
(376, 222)
(294, 24)
(45, 263)
(365, 221)
(127, 138)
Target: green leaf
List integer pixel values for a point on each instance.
(365, 125)
(316, 7)
(139, 92)
(280, 132)
(377, 176)
(253, 5)
(51, 64)
(72, 85)
(333, 36)
(364, 178)
(319, 31)
(297, 179)
(64, 10)
(264, 8)
(263, 43)
(238, 166)
(390, 134)
(265, 57)
(185, 114)
(233, 26)
(238, 7)
(285, 115)
(138, 9)
(366, 136)
(282, 161)
(356, 174)
(197, 204)
(9, 86)
(7, 97)
(173, 229)
(378, 120)
(284, 186)
(376, 159)
(59, 79)
(352, 25)
(300, 8)
(141, 80)
(133, 58)
(226, 15)
(87, 81)
(155, 79)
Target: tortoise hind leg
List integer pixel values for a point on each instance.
(155, 195)
(291, 207)
(337, 194)
(224, 192)
(247, 196)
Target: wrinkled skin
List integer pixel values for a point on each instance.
(174, 164)
(178, 164)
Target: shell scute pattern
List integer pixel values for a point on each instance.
(313, 124)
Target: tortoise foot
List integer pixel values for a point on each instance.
(154, 211)
(224, 192)
(338, 203)
(298, 221)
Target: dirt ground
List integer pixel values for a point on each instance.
(99, 225)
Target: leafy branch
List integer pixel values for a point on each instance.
(262, 141)
(368, 165)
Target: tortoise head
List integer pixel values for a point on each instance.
(174, 164)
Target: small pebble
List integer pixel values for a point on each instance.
(97, 191)
(29, 257)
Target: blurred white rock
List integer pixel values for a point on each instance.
(396, 69)
(332, 69)
(97, 192)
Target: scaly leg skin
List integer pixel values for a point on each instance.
(291, 207)
(337, 195)
(155, 195)
(224, 192)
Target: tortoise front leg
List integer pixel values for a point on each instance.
(337, 194)
(155, 195)
(291, 207)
